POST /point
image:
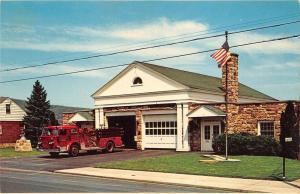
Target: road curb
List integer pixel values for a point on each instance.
(24, 170)
(158, 182)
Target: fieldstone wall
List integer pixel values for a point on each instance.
(66, 117)
(195, 134)
(232, 80)
(138, 113)
(245, 117)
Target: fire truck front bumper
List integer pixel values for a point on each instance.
(49, 150)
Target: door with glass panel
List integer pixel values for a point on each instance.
(208, 131)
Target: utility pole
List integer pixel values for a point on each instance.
(226, 106)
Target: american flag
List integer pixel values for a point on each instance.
(222, 55)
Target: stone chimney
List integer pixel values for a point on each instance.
(233, 82)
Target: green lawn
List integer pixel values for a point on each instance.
(258, 167)
(10, 152)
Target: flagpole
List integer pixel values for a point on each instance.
(226, 106)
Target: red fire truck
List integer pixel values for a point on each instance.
(71, 139)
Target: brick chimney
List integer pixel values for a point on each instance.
(233, 82)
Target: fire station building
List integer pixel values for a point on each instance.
(161, 107)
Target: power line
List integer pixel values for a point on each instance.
(189, 35)
(151, 60)
(149, 47)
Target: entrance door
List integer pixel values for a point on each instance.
(208, 131)
(129, 127)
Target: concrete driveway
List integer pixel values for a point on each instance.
(46, 163)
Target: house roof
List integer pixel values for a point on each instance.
(87, 116)
(57, 109)
(2, 99)
(214, 109)
(206, 111)
(203, 82)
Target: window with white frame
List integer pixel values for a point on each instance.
(7, 108)
(266, 128)
(161, 128)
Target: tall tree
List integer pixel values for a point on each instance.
(38, 112)
(288, 122)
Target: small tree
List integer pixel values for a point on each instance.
(288, 123)
(38, 112)
(53, 120)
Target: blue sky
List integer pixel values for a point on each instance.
(38, 32)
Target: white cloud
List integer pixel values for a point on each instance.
(58, 46)
(158, 29)
(272, 64)
(291, 46)
(97, 39)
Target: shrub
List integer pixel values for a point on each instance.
(247, 144)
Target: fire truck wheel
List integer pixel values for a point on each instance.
(110, 146)
(74, 150)
(54, 154)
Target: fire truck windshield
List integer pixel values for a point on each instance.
(48, 131)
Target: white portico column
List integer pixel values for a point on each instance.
(182, 128)
(185, 123)
(97, 118)
(102, 118)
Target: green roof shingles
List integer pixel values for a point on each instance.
(203, 82)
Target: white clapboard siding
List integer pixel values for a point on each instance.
(16, 113)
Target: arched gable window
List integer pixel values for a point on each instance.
(137, 81)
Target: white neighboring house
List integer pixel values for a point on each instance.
(12, 112)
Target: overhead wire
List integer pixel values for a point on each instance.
(151, 60)
(149, 47)
(189, 35)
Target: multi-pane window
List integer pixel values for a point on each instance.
(207, 132)
(7, 108)
(216, 130)
(266, 128)
(161, 128)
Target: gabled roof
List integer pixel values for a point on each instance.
(20, 103)
(86, 115)
(206, 111)
(203, 82)
(57, 109)
(214, 109)
(2, 99)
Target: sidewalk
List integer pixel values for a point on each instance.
(233, 184)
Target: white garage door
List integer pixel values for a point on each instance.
(160, 131)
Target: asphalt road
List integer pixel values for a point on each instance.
(46, 163)
(46, 182)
